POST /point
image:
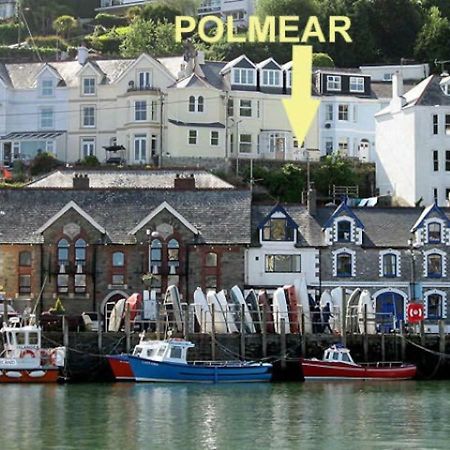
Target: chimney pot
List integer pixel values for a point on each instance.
(81, 182)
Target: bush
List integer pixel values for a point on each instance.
(48, 42)
(110, 21)
(25, 52)
(106, 43)
(90, 161)
(43, 163)
(9, 33)
(322, 60)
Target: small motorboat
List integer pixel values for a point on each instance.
(338, 364)
(23, 360)
(165, 361)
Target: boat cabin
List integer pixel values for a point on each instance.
(337, 353)
(16, 339)
(170, 350)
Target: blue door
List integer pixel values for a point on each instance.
(389, 311)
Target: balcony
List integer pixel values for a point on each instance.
(132, 87)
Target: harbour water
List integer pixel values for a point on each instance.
(127, 416)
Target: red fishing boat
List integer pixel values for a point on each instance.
(338, 364)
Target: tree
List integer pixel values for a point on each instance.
(64, 25)
(322, 60)
(433, 41)
(160, 13)
(41, 14)
(186, 7)
(301, 8)
(157, 39)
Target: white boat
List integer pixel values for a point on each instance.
(302, 295)
(352, 310)
(220, 321)
(365, 302)
(280, 311)
(338, 302)
(115, 319)
(252, 302)
(229, 316)
(202, 311)
(238, 300)
(173, 306)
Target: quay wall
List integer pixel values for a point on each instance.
(431, 353)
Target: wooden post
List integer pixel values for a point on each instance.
(158, 321)
(65, 329)
(264, 331)
(242, 332)
(365, 336)
(127, 328)
(422, 333)
(283, 343)
(442, 336)
(402, 340)
(99, 332)
(383, 347)
(186, 322)
(344, 318)
(213, 334)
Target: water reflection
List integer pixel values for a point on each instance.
(264, 416)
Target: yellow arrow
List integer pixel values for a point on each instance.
(301, 108)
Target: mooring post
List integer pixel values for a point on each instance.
(99, 332)
(344, 318)
(128, 328)
(242, 332)
(185, 321)
(213, 334)
(365, 337)
(264, 331)
(402, 340)
(65, 327)
(158, 321)
(422, 334)
(441, 336)
(283, 343)
(383, 347)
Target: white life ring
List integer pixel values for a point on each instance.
(27, 353)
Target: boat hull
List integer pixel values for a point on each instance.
(324, 370)
(30, 376)
(120, 367)
(149, 370)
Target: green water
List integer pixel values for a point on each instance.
(127, 416)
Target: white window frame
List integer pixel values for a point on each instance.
(289, 255)
(443, 239)
(250, 144)
(343, 146)
(444, 262)
(356, 84)
(329, 140)
(89, 89)
(140, 110)
(329, 112)
(140, 142)
(271, 78)
(144, 79)
(48, 87)
(192, 137)
(84, 116)
(343, 111)
(397, 254)
(247, 107)
(47, 118)
(430, 292)
(243, 77)
(214, 138)
(87, 143)
(334, 83)
(289, 78)
(335, 255)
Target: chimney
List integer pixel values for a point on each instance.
(312, 201)
(82, 54)
(81, 182)
(200, 59)
(398, 101)
(184, 183)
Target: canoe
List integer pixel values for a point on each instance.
(253, 305)
(303, 298)
(229, 316)
(115, 319)
(365, 301)
(238, 301)
(220, 321)
(352, 310)
(264, 305)
(338, 302)
(292, 304)
(173, 305)
(280, 311)
(202, 311)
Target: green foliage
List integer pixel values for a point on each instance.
(150, 37)
(322, 60)
(65, 25)
(41, 14)
(90, 161)
(23, 52)
(43, 163)
(48, 42)
(9, 33)
(160, 12)
(18, 171)
(434, 39)
(186, 7)
(110, 20)
(108, 43)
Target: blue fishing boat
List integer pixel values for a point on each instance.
(166, 362)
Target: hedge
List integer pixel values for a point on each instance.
(110, 21)
(7, 52)
(48, 42)
(9, 33)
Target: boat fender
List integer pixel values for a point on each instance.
(13, 374)
(36, 374)
(27, 353)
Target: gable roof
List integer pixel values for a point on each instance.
(193, 81)
(269, 63)
(278, 209)
(343, 208)
(240, 61)
(427, 212)
(165, 206)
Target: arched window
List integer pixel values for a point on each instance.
(434, 232)
(80, 252)
(118, 259)
(211, 259)
(25, 259)
(63, 251)
(200, 104)
(434, 306)
(191, 103)
(344, 231)
(344, 265)
(389, 265)
(173, 253)
(156, 253)
(434, 265)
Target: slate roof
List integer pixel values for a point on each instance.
(432, 94)
(138, 179)
(383, 227)
(221, 216)
(383, 89)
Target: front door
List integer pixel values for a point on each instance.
(7, 154)
(389, 311)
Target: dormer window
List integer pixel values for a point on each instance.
(88, 86)
(289, 78)
(344, 228)
(244, 77)
(47, 88)
(334, 83)
(434, 233)
(356, 84)
(277, 230)
(271, 78)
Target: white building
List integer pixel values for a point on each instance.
(240, 10)
(413, 142)
(415, 72)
